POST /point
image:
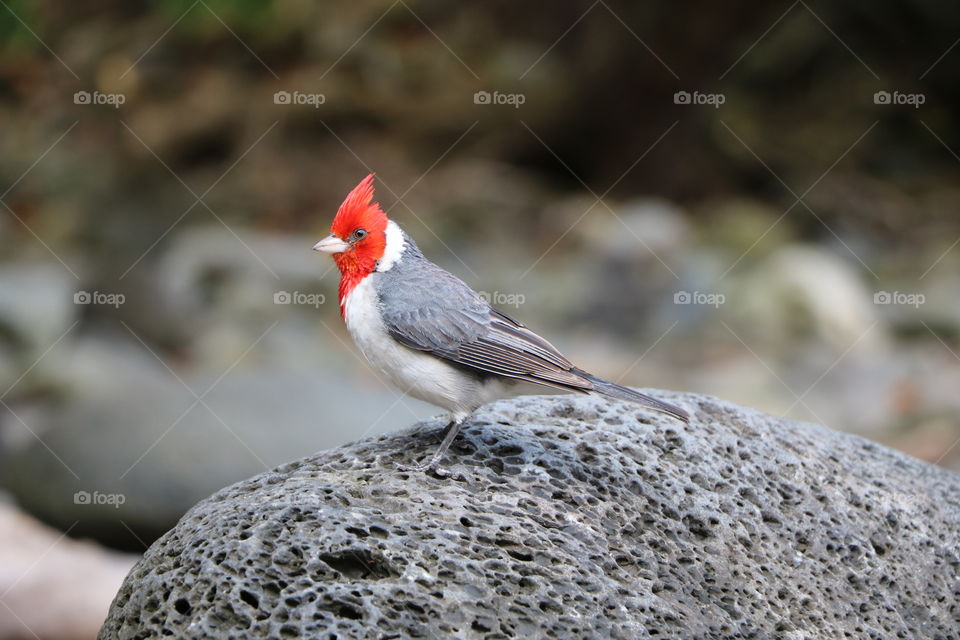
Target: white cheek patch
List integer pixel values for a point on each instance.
(394, 248)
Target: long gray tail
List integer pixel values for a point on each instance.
(614, 390)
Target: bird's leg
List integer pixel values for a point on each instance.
(452, 430)
(445, 422)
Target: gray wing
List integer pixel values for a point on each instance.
(431, 310)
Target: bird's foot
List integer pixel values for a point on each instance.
(425, 467)
(434, 463)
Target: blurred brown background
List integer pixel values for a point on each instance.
(753, 200)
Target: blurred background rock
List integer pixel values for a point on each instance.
(165, 167)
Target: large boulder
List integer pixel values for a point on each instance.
(569, 517)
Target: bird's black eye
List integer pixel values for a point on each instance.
(359, 234)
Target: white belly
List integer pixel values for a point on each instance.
(418, 374)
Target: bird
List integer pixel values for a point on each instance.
(431, 335)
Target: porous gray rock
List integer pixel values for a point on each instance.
(569, 517)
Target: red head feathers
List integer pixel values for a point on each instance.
(359, 211)
(362, 224)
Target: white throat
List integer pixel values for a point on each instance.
(394, 247)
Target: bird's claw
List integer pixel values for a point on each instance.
(424, 468)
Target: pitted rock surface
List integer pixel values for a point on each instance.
(569, 517)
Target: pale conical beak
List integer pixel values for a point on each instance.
(331, 244)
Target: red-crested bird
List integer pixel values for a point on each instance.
(433, 336)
